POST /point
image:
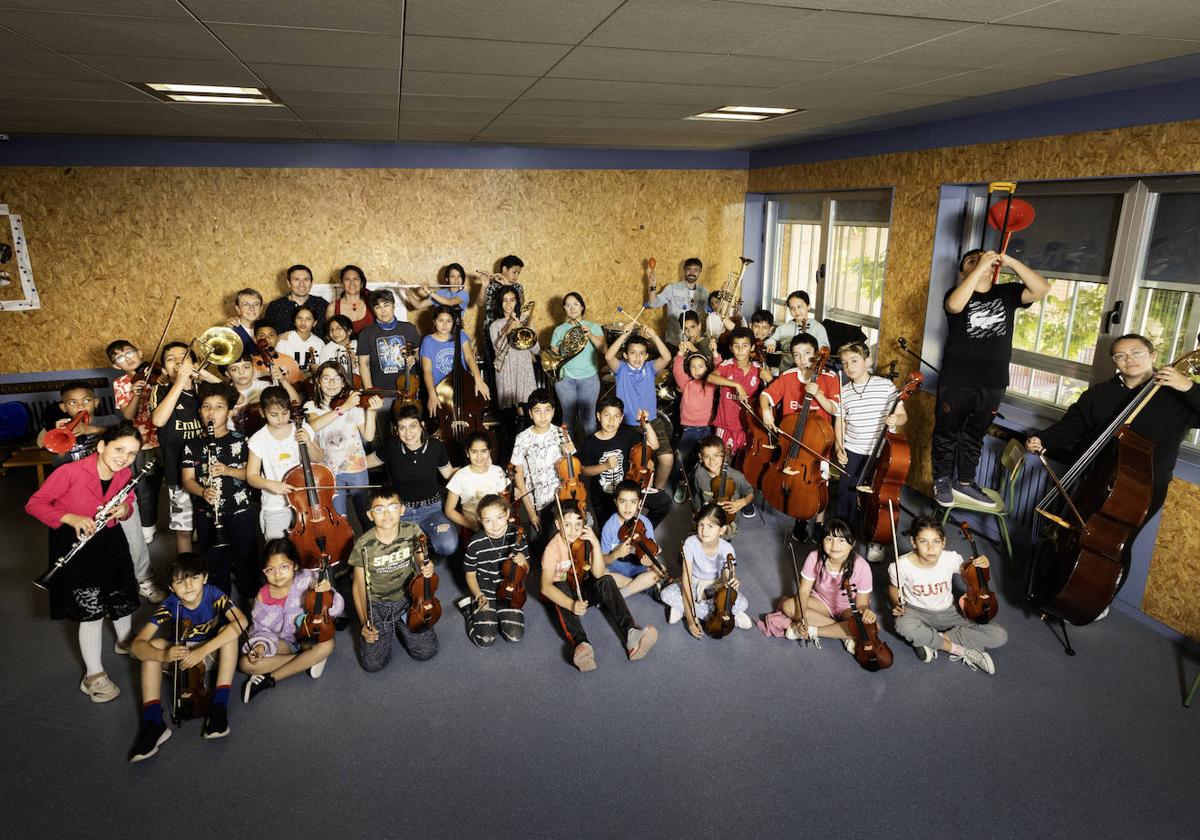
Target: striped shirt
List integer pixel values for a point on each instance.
(864, 408)
(485, 555)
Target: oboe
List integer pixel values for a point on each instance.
(213, 482)
(98, 522)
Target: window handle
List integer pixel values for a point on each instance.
(820, 275)
(1113, 316)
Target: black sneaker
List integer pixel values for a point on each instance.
(150, 737)
(256, 685)
(749, 512)
(800, 532)
(941, 492)
(216, 725)
(973, 492)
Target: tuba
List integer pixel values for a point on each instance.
(572, 344)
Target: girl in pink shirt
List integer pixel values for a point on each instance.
(98, 582)
(697, 398)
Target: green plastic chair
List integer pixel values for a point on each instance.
(1012, 460)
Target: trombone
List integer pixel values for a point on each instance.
(217, 346)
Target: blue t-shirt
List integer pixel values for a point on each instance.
(608, 535)
(636, 389)
(462, 295)
(206, 620)
(441, 355)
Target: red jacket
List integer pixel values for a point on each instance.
(75, 488)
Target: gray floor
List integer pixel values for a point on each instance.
(745, 737)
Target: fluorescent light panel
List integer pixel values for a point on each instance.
(728, 117)
(207, 89)
(752, 109)
(743, 113)
(208, 94)
(220, 100)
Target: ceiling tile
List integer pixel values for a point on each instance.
(1106, 15)
(284, 45)
(758, 71)
(872, 78)
(445, 119)
(542, 21)
(846, 37)
(692, 25)
(974, 10)
(467, 55)
(434, 135)
(532, 122)
(630, 65)
(12, 42)
(335, 99)
(1107, 52)
(269, 129)
(189, 71)
(464, 84)
(359, 15)
(350, 79)
(371, 132)
(979, 82)
(963, 50)
(118, 35)
(473, 104)
(704, 95)
(223, 113)
(73, 89)
(125, 8)
(44, 65)
(591, 107)
(326, 114)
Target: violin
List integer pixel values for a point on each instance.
(511, 588)
(641, 458)
(723, 487)
(888, 468)
(644, 548)
(317, 624)
(571, 487)
(320, 533)
(461, 410)
(581, 564)
(363, 393)
(264, 360)
(979, 603)
(870, 651)
(192, 697)
(425, 609)
(794, 484)
(408, 384)
(719, 622)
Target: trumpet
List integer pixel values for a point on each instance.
(522, 337)
(61, 441)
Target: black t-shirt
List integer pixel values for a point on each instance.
(593, 451)
(183, 425)
(414, 472)
(385, 348)
(85, 445)
(230, 450)
(979, 343)
(281, 313)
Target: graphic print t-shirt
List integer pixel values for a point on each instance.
(979, 343)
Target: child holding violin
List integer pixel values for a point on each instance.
(275, 649)
(697, 402)
(342, 346)
(385, 559)
(497, 541)
(300, 343)
(574, 577)
(131, 395)
(822, 608)
(342, 420)
(203, 625)
(471, 484)
(629, 559)
(713, 471)
(275, 449)
(266, 336)
(636, 387)
(221, 495)
(921, 591)
(605, 455)
(705, 554)
(535, 458)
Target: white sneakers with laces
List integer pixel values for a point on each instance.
(976, 660)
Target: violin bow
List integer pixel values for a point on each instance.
(784, 434)
(562, 530)
(896, 551)
(799, 604)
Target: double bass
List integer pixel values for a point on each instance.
(887, 469)
(794, 485)
(319, 532)
(460, 411)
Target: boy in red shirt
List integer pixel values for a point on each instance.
(741, 380)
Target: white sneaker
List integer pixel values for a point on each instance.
(318, 669)
(926, 654)
(151, 592)
(121, 648)
(1103, 615)
(875, 552)
(976, 660)
(100, 688)
(742, 621)
(848, 644)
(674, 615)
(149, 532)
(791, 633)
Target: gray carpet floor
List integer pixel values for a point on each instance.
(743, 737)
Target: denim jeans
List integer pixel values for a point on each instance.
(689, 438)
(358, 497)
(578, 400)
(444, 543)
(391, 619)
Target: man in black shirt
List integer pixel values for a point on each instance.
(974, 374)
(282, 311)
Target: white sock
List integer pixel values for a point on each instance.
(122, 626)
(90, 638)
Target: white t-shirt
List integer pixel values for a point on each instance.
(864, 408)
(292, 345)
(705, 566)
(927, 587)
(340, 439)
(278, 456)
(334, 352)
(472, 486)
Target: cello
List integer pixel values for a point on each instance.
(794, 484)
(319, 532)
(461, 410)
(888, 468)
(762, 447)
(424, 609)
(979, 603)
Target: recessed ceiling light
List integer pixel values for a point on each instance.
(209, 89)
(753, 109)
(743, 113)
(728, 117)
(208, 94)
(221, 100)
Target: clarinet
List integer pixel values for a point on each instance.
(100, 519)
(213, 482)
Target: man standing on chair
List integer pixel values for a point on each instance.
(980, 315)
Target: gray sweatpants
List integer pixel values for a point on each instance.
(926, 627)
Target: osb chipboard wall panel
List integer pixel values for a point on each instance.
(112, 246)
(916, 178)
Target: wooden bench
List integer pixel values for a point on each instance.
(30, 456)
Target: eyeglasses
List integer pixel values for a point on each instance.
(128, 354)
(1135, 355)
(390, 507)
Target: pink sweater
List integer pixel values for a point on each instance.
(696, 397)
(75, 488)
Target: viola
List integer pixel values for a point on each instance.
(461, 410)
(641, 459)
(719, 622)
(317, 624)
(425, 609)
(794, 485)
(979, 603)
(571, 487)
(192, 697)
(319, 531)
(887, 469)
(870, 651)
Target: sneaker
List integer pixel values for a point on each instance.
(317, 670)
(151, 592)
(791, 633)
(926, 654)
(100, 688)
(941, 492)
(875, 552)
(1103, 615)
(148, 534)
(121, 648)
(257, 684)
(973, 492)
(151, 735)
(800, 531)
(656, 591)
(976, 660)
(639, 641)
(464, 604)
(216, 725)
(748, 512)
(674, 615)
(742, 621)
(848, 644)
(680, 495)
(584, 658)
